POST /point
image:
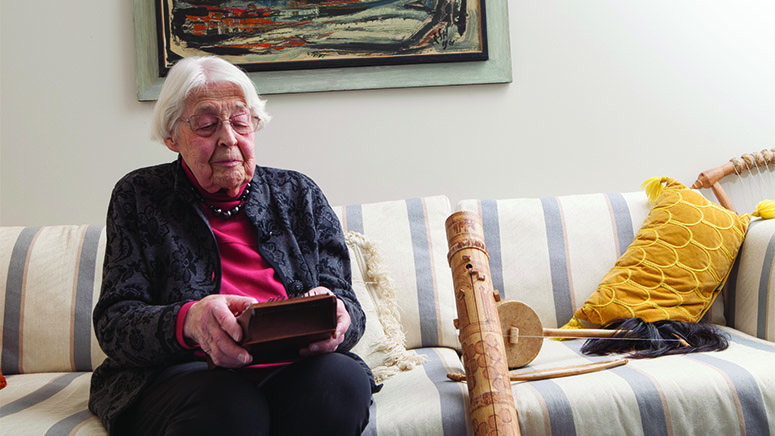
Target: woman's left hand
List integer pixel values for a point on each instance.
(342, 324)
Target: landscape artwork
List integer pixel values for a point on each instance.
(272, 35)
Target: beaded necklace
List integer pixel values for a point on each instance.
(217, 211)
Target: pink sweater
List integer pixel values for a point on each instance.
(244, 271)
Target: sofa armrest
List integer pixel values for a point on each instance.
(49, 282)
(750, 305)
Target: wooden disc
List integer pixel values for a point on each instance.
(515, 314)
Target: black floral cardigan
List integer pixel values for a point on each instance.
(161, 253)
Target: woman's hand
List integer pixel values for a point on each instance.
(212, 323)
(342, 324)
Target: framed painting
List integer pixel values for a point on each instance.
(269, 35)
(327, 45)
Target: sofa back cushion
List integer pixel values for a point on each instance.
(383, 344)
(750, 306)
(49, 281)
(413, 242)
(552, 253)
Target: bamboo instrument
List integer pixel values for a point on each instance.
(484, 358)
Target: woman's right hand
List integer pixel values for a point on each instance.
(212, 323)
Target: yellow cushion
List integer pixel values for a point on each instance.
(676, 265)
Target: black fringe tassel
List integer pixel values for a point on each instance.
(646, 340)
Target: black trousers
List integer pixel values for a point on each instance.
(326, 394)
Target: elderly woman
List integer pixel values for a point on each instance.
(194, 242)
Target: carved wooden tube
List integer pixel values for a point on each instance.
(484, 355)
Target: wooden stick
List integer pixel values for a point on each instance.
(544, 374)
(580, 333)
(710, 178)
(596, 333)
(567, 370)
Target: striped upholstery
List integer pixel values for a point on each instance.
(730, 393)
(52, 404)
(551, 253)
(548, 252)
(423, 401)
(726, 393)
(414, 245)
(51, 279)
(751, 285)
(382, 345)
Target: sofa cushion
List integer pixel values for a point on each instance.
(53, 404)
(750, 304)
(417, 402)
(383, 345)
(552, 253)
(729, 392)
(49, 280)
(414, 244)
(50, 277)
(725, 393)
(675, 267)
(423, 401)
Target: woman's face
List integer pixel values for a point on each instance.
(224, 161)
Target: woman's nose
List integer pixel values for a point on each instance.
(226, 135)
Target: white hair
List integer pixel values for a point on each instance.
(192, 74)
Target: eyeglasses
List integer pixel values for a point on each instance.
(205, 125)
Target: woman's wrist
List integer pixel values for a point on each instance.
(179, 323)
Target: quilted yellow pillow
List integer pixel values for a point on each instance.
(676, 265)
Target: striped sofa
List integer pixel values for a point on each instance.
(549, 253)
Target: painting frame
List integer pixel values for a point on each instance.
(496, 69)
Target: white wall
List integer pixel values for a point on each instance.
(606, 93)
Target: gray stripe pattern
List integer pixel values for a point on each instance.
(764, 283)
(730, 287)
(41, 394)
(558, 407)
(558, 262)
(748, 392)
(735, 337)
(650, 406)
(492, 239)
(622, 221)
(453, 409)
(424, 272)
(354, 216)
(67, 425)
(652, 411)
(83, 299)
(13, 301)
(451, 403)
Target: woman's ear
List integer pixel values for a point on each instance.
(170, 143)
